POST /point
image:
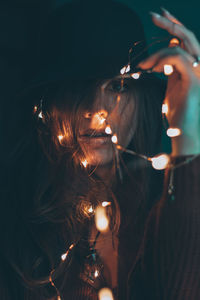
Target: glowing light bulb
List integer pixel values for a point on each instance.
(168, 70)
(60, 137)
(90, 209)
(174, 41)
(195, 64)
(123, 70)
(35, 109)
(64, 256)
(160, 162)
(84, 163)
(173, 132)
(114, 139)
(96, 273)
(108, 130)
(71, 246)
(135, 75)
(105, 203)
(118, 98)
(101, 219)
(128, 68)
(40, 115)
(164, 108)
(105, 294)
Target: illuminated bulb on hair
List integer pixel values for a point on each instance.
(60, 137)
(102, 120)
(128, 68)
(84, 163)
(114, 139)
(195, 64)
(168, 70)
(101, 219)
(35, 109)
(96, 273)
(160, 162)
(40, 115)
(173, 132)
(105, 294)
(108, 130)
(90, 209)
(174, 41)
(71, 246)
(123, 70)
(164, 108)
(64, 256)
(135, 75)
(105, 203)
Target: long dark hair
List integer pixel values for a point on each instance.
(43, 186)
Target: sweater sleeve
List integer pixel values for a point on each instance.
(169, 263)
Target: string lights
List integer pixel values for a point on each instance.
(173, 132)
(165, 108)
(105, 294)
(168, 70)
(101, 219)
(158, 162)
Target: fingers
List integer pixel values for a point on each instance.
(170, 17)
(177, 57)
(175, 27)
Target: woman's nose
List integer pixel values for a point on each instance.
(97, 118)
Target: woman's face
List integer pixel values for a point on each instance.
(113, 108)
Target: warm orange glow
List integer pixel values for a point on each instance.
(101, 219)
(96, 273)
(60, 137)
(84, 163)
(173, 132)
(105, 294)
(108, 130)
(71, 246)
(90, 209)
(160, 162)
(123, 70)
(105, 203)
(164, 108)
(118, 98)
(135, 75)
(195, 64)
(64, 256)
(128, 68)
(40, 115)
(98, 119)
(35, 109)
(168, 70)
(174, 42)
(114, 139)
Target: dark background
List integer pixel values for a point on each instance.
(20, 20)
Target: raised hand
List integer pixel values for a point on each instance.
(183, 89)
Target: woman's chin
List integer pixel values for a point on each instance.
(100, 157)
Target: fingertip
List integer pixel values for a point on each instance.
(154, 15)
(164, 11)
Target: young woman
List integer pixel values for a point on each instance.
(67, 158)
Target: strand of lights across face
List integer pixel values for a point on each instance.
(158, 162)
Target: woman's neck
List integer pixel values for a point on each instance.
(106, 173)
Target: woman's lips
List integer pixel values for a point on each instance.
(95, 140)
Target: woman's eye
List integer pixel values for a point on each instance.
(118, 87)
